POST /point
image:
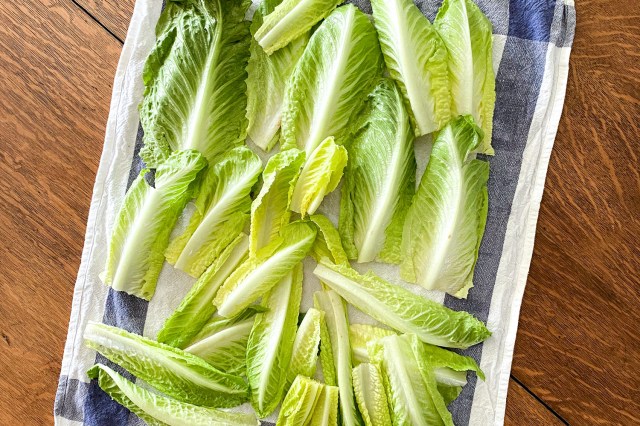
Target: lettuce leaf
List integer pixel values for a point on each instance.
(337, 326)
(327, 244)
(170, 370)
(145, 221)
(290, 20)
(445, 224)
(221, 213)
(402, 310)
(266, 82)
(158, 410)
(368, 386)
(361, 335)
(330, 80)
(325, 413)
(195, 80)
(257, 275)
(197, 306)
(305, 347)
(379, 179)
(320, 175)
(297, 407)
(271, 342)
(417, 59)
(467, 34)
(270, 210)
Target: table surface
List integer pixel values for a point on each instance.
(576, 357)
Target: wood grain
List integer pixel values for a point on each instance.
(524, 409)
(578, 342)
(57, 68)
(113, 14)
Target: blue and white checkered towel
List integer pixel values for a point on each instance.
(532, 42)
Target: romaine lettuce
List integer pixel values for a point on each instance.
(327, 244)
(305, 347)
(361, 335)
(309, 403)
(368, 386)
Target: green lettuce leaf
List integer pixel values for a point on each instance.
(320, 175)
(172, 371)
(361, 335)
(445, 224)
(271, 342)
(330, 80)
(158, 410)
(417, 59)
(197, 306)
(217, 323)
(257, 275)
(266, 81)
(195, 80)
(380, 177)
(221, 213)
(411, 389)
(368, 386)
(144, 223)
(402, 310)
(290, 20)
(325, 413)
(305, 347)
(327, 244)
(270, 210)
(467, 34)
(337, 326)
(297, 407)
(226, 349)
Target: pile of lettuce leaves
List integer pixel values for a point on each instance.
(254, 122)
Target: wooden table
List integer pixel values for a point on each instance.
(577, 351)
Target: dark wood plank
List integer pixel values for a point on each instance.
(113, 14)
(524, 409)
(578, 344)
(57, 67)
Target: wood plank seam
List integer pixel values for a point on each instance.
(540, 400)
(96, 20)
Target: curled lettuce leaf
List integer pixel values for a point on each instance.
(444, 226)
(271, 342)
(222, 208)
(467, 34)
(195, 80)
(379, 179)
(330, 80)
(266, 82)
(197, 306)
(257, 275)
(290, 20)
(417, 59)
(368, 386)
(361, 335)
(145, 221)
(158, 410)
(320, 175)
(305, 347)
(327, 244)
(402, 310)
(337, 332)
(172, 371)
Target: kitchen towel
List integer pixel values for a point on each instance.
(532, 42)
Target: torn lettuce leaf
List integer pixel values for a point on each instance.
(402, 310)
(158, 410)
(445, 223)
(468, 36)
(170, 370)
(145, 221)
(379, 178)
(320, 175)
(257, 275)
(360, 335)
(266, 81)
(271, 342)
(337, 332)
(270, 210)
(417, 59)
(330, 80)
(368, 386)
(327, 244)
(411, 388)
(225, 349)
(195, 80)
(197, 306)
(305, 347)
(222, 209)
(309, 402)
(291, 20)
